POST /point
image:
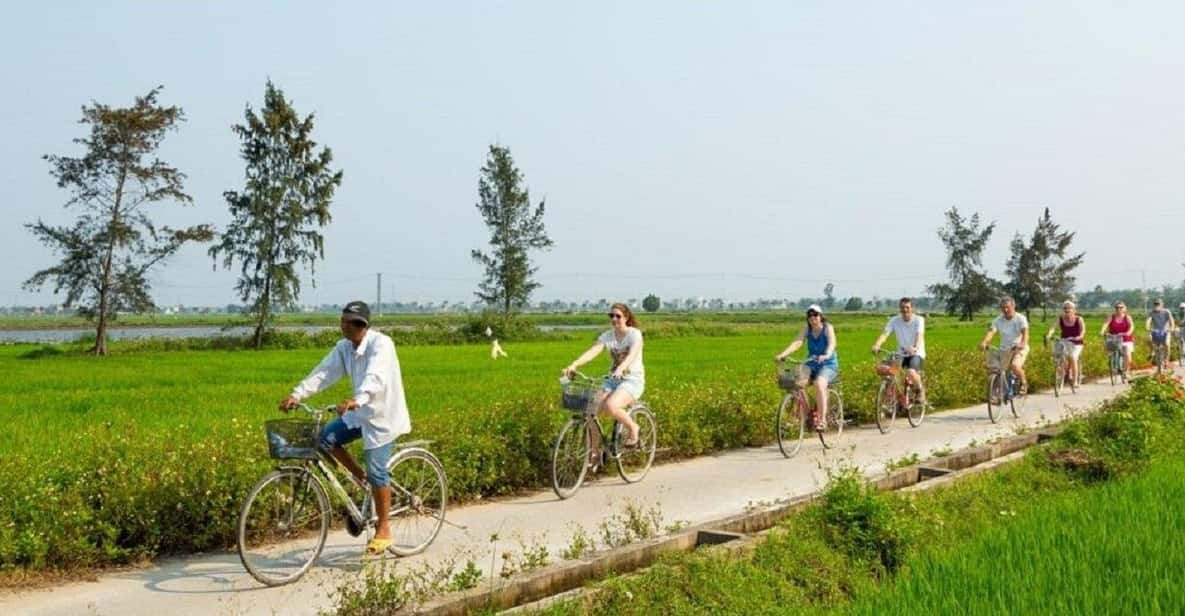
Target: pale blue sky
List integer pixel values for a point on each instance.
(742, 149)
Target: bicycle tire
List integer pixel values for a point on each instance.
(917, 407)
(1059, 377)
(996, 392)
(633, 463)
(791, 418)
(886, 406)
(277, 541)
(1016, 401)
(833, 422)
(567, 474)
(419, 496)
(1113, 366)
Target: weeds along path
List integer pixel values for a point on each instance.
(693, 491)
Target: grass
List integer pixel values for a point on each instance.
(1036, 536)
(112, 460)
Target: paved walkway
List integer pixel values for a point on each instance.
(693, 491)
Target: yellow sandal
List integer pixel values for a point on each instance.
(377, 546)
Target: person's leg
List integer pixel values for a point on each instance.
(334, 437)
(1127, 356)
(380, 486)
(616, 404)
(1018, 368)
(821, 401)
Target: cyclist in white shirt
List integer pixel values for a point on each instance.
(375, 412)
(910, 331)
(1014, 336)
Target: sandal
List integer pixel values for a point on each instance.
(377, 546)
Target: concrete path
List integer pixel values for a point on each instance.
(693, 491)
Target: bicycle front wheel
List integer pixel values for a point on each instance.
(1059, 376)
(283, 526)
(834, 420)
(886, 406)
(917, 407)
(1114, 366)
(995, 396)
(569, 460)
(791, 424)
(419, 495)
(634, 462)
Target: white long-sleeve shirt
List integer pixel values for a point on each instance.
(373, 369)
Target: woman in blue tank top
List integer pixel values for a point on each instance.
(822, 358)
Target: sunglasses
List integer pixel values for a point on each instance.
(812, 314)
(614, 315)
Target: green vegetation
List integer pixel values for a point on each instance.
(1036, 536)
(142, 453)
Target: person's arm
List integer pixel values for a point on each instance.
(322, 377)
(1131, 325)
(1023, 341)
(1081, 337)
(630, 357)
(794, 346)
(988, 336)
(1148, 324)
(876, 346)
(585, 357)
(920, 341)
(830, 344)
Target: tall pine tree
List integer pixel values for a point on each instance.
(515, 229)
(108, 251)
(277, 217)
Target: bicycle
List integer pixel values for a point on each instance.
(793, 412)
(285, 519)
(894, 395)
(1180, 346)
(1160, 349)
(1002, 388)
(1061, 366)
(579, 447)
(1114, 345)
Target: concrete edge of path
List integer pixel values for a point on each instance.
(571, 575)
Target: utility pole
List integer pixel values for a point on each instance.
(379, 291)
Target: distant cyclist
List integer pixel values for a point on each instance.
(1120, 324)
(910, 331)
(1160, 323)
(1014, 336)
(1071, 328)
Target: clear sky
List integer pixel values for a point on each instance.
(740, 149)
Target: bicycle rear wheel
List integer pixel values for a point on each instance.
(569, 460)
(283, 526)
(634, 462)
(419, 495)
(886, 406)
(1016, 400)
(995, 396)
(791, 424)
(834, 420)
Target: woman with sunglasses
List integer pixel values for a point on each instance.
(1120, 324)
(627, 377)
(822, 359)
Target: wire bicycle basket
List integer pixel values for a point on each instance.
(794, 377)
(292, 438)
(578, 395)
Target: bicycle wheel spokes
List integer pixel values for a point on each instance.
(634, 462)
(283, 526)
(791, 424)
(1059, 376)
(569, 461)
(886, 406)
(418, 499)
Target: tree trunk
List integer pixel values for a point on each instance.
(262, 313)
(100, 347)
